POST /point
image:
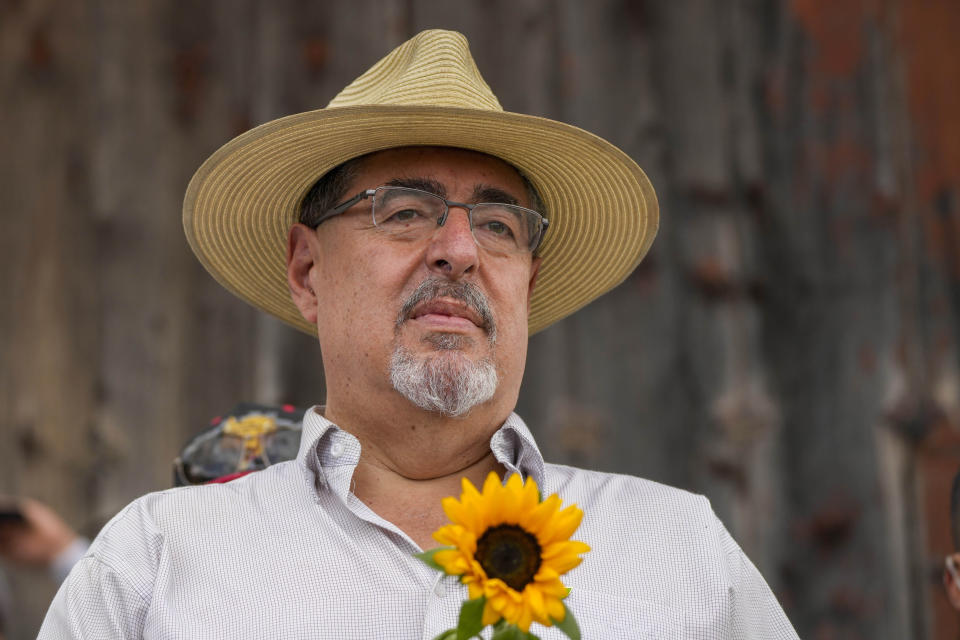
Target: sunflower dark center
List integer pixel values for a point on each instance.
(508, 552)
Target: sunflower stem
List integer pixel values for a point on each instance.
(509, 632)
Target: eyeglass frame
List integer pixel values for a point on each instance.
(370, 193)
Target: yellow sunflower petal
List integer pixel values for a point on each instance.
(476, 568)
(562, 548)
(498, 598)
(457, 512)
(563, 564)
(553, 589)
(524, 619)
(534, 598)
(479, 508)
(562, 525)
(537, 520)
(493, 500)
(563, 556)
(451, 560)
(490, 615)
(469, 491)
(454, 535)
(546, 573)
(474, 590)
(469, 495)
(512, 500)
(491, 484)
(515, 483)
(511, 610)
(458, 566)
(556, 610)
(530, 497)
(495, 588)
(449, 534)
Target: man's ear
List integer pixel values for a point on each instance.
(534, 271)
(953, 590)
(300, 263)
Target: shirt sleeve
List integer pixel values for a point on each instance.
(63, 562)
(754, 610)
(108, 592)
(94, 602)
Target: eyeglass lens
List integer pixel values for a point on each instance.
(412, 213)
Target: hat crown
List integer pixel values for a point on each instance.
(434, 69)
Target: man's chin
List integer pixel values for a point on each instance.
(446, 341)
(445, 381)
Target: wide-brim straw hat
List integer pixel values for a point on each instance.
(242, 201)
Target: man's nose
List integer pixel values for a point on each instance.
(453, 250)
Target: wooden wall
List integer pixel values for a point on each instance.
(790, 347)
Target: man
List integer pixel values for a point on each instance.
(951, 565)
(427, 233)
(34, 535)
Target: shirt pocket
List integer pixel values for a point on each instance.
(603, 616)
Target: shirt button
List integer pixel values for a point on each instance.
(336, 449)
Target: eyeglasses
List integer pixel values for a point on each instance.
(414, 214)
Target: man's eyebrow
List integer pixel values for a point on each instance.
(424, 184)
(481, 193)
(485, 193)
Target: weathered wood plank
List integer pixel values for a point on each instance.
(49, 332)
(789, 348)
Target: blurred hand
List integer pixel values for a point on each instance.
(37, 540)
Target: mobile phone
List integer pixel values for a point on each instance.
(10, 514)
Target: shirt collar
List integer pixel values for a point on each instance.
(325, 449)
(514, 447)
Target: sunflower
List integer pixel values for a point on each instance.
(511, 548)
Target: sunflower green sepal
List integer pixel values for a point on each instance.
(569, 624)
(449, 634)
(427, 558)
(470, 623)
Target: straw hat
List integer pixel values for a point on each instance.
(242, 201)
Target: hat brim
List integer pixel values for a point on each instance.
(242, 201)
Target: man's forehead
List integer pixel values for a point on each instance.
(481, 192)
(436, 164)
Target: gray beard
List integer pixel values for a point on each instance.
(445, 381)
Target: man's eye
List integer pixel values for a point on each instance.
(404, 215)
(499, 228)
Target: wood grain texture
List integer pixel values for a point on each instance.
(789, 348)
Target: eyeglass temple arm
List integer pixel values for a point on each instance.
(340, 208)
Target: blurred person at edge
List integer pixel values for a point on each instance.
(951, 569)
(402, 227)
(34, 536)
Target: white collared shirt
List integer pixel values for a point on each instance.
(290, 552)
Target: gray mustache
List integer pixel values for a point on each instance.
(465, 292)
